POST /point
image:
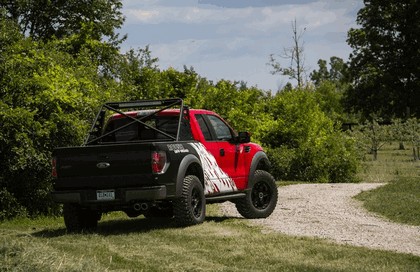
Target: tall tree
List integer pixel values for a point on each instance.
(296, 69)
(385, 61)
(47, 99)
(90, 26)
(338, 72)
(44, 19)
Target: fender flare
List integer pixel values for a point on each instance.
(191, 164)
(260, 161)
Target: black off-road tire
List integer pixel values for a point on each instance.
(261, 200)
(77, 219)
(190, 208)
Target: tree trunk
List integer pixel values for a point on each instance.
(402, 146)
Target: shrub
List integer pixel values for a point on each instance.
(10, 207)
(47, 98)
(303, 143)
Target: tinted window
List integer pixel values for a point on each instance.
(204, 128)
(139, 132)
(223, 132)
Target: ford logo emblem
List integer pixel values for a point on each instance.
(103, 165)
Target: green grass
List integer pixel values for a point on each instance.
(220, 244)
(399, 200)
(391, 164)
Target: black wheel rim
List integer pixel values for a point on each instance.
(261, 195)
(196, 203)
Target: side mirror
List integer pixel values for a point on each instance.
(244, 137)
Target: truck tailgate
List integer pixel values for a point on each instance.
(103, 166)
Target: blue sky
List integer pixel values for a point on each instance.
(232, 39)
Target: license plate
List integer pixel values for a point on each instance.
(105, 195)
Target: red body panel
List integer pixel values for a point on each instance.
(234, 159)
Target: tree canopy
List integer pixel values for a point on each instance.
(384, 65)
(45, 19)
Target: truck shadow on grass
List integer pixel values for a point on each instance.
(126, 226)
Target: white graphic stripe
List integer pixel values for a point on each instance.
(215, 179)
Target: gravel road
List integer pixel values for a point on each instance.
(329, 211)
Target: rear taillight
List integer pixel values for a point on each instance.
(54, 167)
(158, 161)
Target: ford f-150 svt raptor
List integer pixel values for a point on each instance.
(160, 158)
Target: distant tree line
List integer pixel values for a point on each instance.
(60, 60)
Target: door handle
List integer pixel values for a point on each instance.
(222, 152)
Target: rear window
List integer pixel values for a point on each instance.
(134, 131)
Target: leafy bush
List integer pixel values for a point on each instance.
(47, 98)
(303, 143)
(336, 160)
(10, 207)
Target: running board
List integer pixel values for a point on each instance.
(222, 198)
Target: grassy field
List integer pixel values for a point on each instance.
(392, 164)
(399, 200)
(220, 244)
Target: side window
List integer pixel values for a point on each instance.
(223, 132)
(203, 127)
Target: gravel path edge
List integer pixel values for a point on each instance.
(329, 211)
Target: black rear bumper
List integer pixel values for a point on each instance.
(122, 196)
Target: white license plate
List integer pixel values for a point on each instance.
(105, 195)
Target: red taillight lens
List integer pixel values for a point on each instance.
(54, 167)
(158, 161)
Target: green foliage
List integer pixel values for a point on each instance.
(412, 129)
(10, 208)
(44, 19)
(392, 164)
(47, 99)
(337, 74)
(330, 85)
(139, 74)
(297, 120)
(384, 63)
(372, 136)
(303, 143)
(407, 131)
(241, 106)
(79, 26)
(329, 98)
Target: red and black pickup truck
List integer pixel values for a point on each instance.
(160, 159)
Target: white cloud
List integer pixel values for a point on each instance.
(234, 43)
(187, 15)
(245, 21)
